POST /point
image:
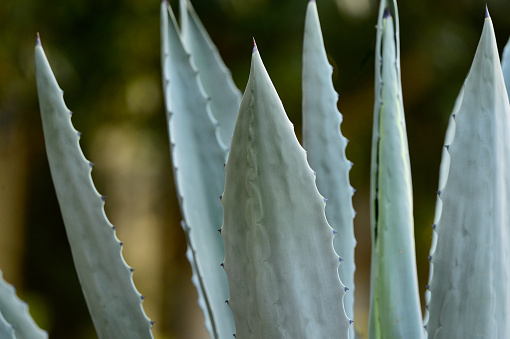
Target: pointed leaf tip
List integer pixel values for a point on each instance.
(38, 40)
(487, 16)
(255, 48)
(387, 13)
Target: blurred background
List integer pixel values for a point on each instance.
(106, 56)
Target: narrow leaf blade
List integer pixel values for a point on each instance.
(214, 75)
(505, 65)
(326, 149)
(113, 301)
(280, 261)
(16, 321)
(198, 159)
(395, 310)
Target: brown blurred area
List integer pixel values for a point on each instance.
(106, 56)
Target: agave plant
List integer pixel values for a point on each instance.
(269, 223)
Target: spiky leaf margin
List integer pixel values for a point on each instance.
(106, 280)
(470, 253)
(395, 310)
(280, 261)
(198, 156)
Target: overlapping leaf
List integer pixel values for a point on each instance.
(15, 320)
(280, 261)
(198, 158)
(470, 253)
(214, 75)
(326, 148)
(395, 310)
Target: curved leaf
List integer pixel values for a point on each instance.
(470, 254)
(214, 75)
(325, 147)
(6, 329)
(395, 310)
(198, 159)
(16, 321)
(280, 261)
(106, 280)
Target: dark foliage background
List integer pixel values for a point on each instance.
(106, 57)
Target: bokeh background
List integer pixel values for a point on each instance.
(106, 56)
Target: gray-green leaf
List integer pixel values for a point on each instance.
(326, 148)
(198, 158)
(280, 261)
(214, 75)
(6, 329)
(16, 321)
(470, 253)
(113, 301)
(395, 310)
(505, 65)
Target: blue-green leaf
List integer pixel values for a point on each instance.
(6, 329)
(198, 158)
(326, 148)
(505, 65)
(113, 301)
(280, 261)
(395, 310)
(470, 253)
(16, 321)
(214, 75)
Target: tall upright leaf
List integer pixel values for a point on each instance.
(395, 310)
(214, 75)
(15, 320)
(505, 65)
(198, 159)
(280, 261)
(113, 301)
(326, 148)
(470, 254)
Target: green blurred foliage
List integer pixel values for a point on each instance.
(105, 55)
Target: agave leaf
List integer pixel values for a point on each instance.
(280, 261)
(214, 75)
(395, 310)
(326, 148)
(196, 279)
(198, 159)
(470, 256)
(183, 16)
(6, 329)
(444, 169)
(505, 65)
(113, 301)
(15, 320)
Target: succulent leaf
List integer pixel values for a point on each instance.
(395, 310)
(6, 329)
(214, 75)
(196, 280)
(113, 301)
(470, 253)
(15, 320)
(505, 65)
(280, 260)
(325, 147)
(198, 159)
